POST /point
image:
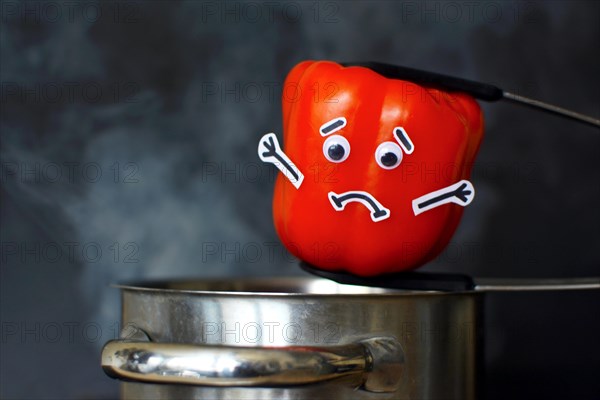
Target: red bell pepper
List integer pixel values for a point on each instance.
(375, 170)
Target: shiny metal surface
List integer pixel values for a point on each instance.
(374, 364)
(318, 319)
(536, 285)
(551, 108)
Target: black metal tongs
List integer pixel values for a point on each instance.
(425, 281)
(444, 282)
(478, 90)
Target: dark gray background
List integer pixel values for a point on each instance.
(127, 90)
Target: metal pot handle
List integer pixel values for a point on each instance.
(374, 364)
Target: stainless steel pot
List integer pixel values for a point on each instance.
(295, 339)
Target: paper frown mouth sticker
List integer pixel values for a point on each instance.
(339, 201)
(375, 176)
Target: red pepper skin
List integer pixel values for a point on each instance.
(446, 130)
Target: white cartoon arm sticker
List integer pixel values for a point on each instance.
(461, 193)
(269, 151)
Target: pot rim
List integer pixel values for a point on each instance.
(302, 287)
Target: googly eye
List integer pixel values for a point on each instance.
(336, 148)
(388, 155)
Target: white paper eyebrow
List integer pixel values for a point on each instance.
(332, 126)
(403, 140)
